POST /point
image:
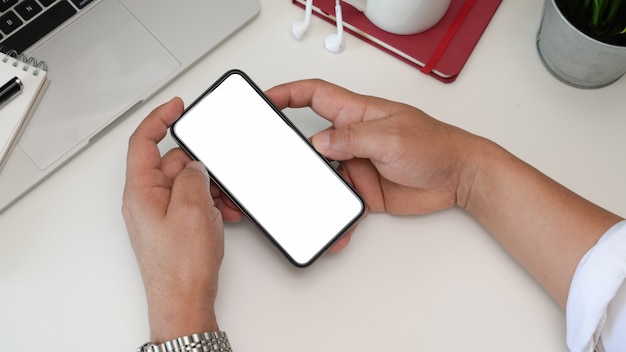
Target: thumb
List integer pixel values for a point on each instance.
(191, 188)
(360, 140)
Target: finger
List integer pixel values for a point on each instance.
(173, 162)
(347, 169)
(341, 242)
(344, 240)
(367, 182)
(303, 93)
(142, 150)
(191, 191)
(367, 140)
(230, 211)
(336, 104)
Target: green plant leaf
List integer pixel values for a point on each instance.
(604, 20)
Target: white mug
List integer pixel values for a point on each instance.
(402, 16)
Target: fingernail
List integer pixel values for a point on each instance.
(321, 141)
(196, 166)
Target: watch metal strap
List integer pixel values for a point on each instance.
(215, 341)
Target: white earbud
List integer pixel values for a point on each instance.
(334, 42)
(299, 28)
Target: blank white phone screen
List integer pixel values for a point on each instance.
(274, 175)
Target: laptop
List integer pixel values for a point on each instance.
(104, 60)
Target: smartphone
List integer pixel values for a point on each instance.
(259, 159)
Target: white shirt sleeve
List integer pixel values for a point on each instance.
(596, 306)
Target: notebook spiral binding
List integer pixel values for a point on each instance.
(20, 59)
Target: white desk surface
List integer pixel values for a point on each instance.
(69, 281)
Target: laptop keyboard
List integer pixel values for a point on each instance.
(24, 22)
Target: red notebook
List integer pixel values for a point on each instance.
(440, 51)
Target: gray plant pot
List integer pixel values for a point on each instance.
(574, 57)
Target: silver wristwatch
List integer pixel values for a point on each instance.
(215, 341)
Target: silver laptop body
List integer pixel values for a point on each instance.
(105, 63)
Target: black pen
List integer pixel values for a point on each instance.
(10, 89)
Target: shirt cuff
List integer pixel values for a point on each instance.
(598, 278)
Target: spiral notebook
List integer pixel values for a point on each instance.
(15, 113)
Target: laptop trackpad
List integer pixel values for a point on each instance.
(98, 70)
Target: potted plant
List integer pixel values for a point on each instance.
(583, 42)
